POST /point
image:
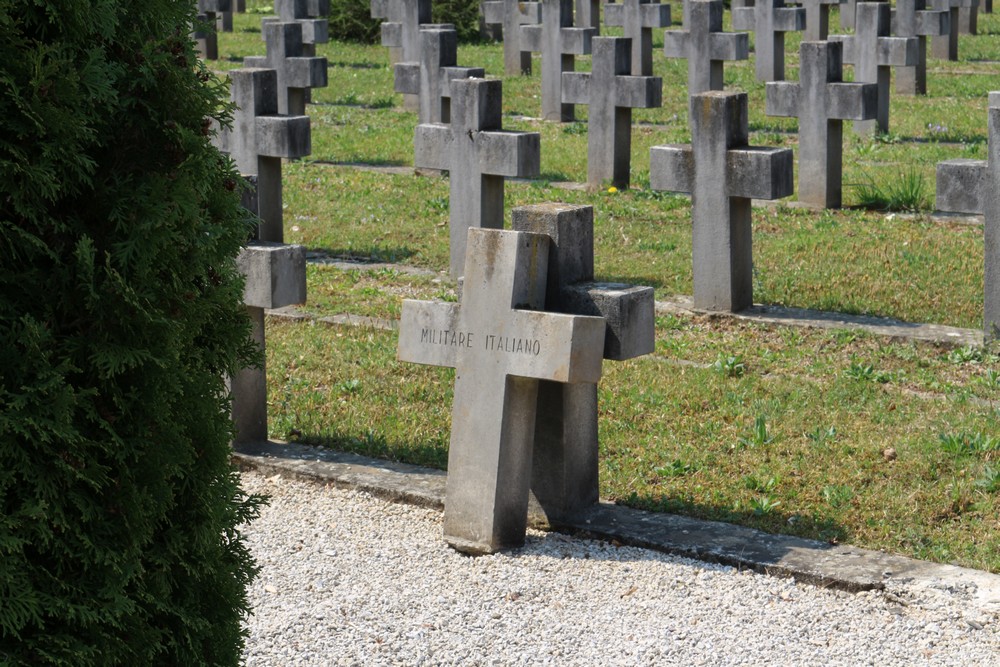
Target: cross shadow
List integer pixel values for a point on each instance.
(373, 254)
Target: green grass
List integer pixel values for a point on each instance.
(779, 428)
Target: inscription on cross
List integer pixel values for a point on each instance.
(559, 43)
(259, 138)
(770, 20)
(873, 52)
(723, 174)
(911, 18)
(430, 79)
(637, 18)
(501, 345)
(705, 45)
(611, 94)
(973, 186)
(478, 155)
(296, 73)
(512, 14)
(821, 102)
(564, 477)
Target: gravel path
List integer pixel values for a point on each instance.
(349, 579)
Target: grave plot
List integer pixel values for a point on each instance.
(430, 78)
(911, 18)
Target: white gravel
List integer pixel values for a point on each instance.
(349, 579)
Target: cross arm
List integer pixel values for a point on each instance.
(782, 98)
(309, 72)
(896, 51)
(275, 274)
(756, 172)
(511, 154)
(255, 61)
(283, 136)
(671, 167)
(744, 18)
(577, 41)
(933, 23)
(852, 101)
(729, 45)
(576, 87)
(449, 74)
(628, 312)
(392, 34)
(848, 42)
(570, 347)
(675, 43)
(614, 14)
(431, 333)
(654, 15)
(790, 19)
(638, 92)
(380, 8)
(961, 186)
(432, 146)
(315, 31)
(406, 78)
(531, 37)
(493, 12)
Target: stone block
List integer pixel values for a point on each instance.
(275, 274)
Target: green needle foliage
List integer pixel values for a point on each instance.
(120, 315)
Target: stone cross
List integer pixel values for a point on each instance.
(637, 18)
(873, 52)
(968, 18)
(945, 47)
(611, 94)
(723, 174)
(817, 19)
(501, 344)
(430, 79)
(910, 18)
(209, 13)
(401, 32)
(848, 10)
(564, 477)
(705, 45)
(512, 14)
(821, 102)
(310, 13)
(275, 276)
(769, 20)
(259, 138)
(558, 41)
(587, 14)
(296, 73)
(478, 154)
(973, 186)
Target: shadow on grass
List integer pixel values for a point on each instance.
(373, 254)
(374, 162)
(347, 65)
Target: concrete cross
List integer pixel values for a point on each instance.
(512, 14)
(310, 13)
(430, 79)
(945, 47)
(848, 10)
(769, 20)
(821, 102)
(587, 14)
(259, 138)
(968, 18)
(817, 19)
(637, 18)
(501, 344)
(478, 154)
(564, 477)
(723, 174)
(210, 13)
(705, 45)
(973, 186)
(873, 52)
(296, 73)
(558, 41)
(401, 32)
(611, 94)
(275, 276)
(910, 18)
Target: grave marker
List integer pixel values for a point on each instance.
(705, 45)
(968, 18)
(559, 42)
(611, 94)
(910, 18)
(723, 174)
(945, 47)
(769, 20)
(848, 12)
(401, 32)
(207, 41)
(501, 345)
(310, 13)
(587, 14)
(430, 79)
(512, 14)
(637, 18)
(973, 186)
(564, 472)
(873, 52)
(821, 102)
(817, 19)
(478, 155)
(296, 73)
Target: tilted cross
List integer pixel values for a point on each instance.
(430, 79)
(512, 14)
(705, 45)
(611, 94)
(637, 18)
(723, 174)
(769, 20)
(296, 73)
(478, 155)
(558, 41)
(501, 343)
(821, 102)
(910, 18)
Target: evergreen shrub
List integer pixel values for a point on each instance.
(120, 314)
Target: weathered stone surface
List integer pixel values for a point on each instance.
(511, 15)
(500, 344)
(430, 79)
(911, 18)
(611, 94)
(478, 155)
(558, 42)
(817, 19)
(296, 72)
(401, 32)
(587, 14)
(848, 10)
(945, 47)
(821, 101)
(770, 20)
(637, 18)
(722, 173)
(705, 45)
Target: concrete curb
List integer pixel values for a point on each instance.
(809, 561)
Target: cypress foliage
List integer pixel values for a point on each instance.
(120, 313)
